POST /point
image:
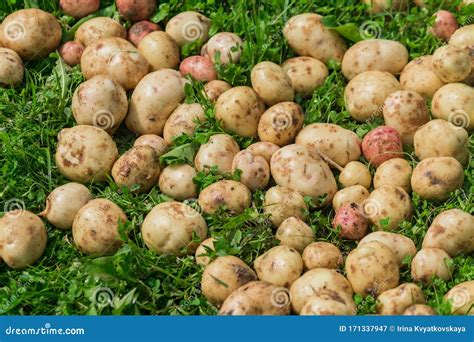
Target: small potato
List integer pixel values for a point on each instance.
(225, 44)
(183, 121)
(435, 178)
(170, 226)
(372, 269)
(64, 202)
(405, 111)
(177, 182)
(396, 172)
(71, 53)
(281, 123)
(381, 144)
(23, 238)
(400, 245)
(234, 196)
(216, 88)
(11, 68)
(461, 298)
(219, 151)
(374, 54)
(200, 255)
(223, 276)
(199, 67)
(240, 109)
(95, 227)
(350, 219)
(307, 36)
(397, 300)
(281, 266)
(135, 10)
(419, 310)
(379, 6)
(365, 94)
(255, 170)
(271, 83)
(355, 193)
(418, 77)
(140, 30)
(454, 102)
(452, 231)
(355, 173)
(322, 255)
(187, 27)
(282, 202)
(152, 140)
(306, 74)
(429, 263)
(98, 28)
(152, 47)
(263, 149)
(451, 64)
(328, 303)
(79, 8)
(445, 24)
(100, 102)
(293, 232)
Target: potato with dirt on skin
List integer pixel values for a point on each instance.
(140, 30)
(350, 220)
(381, 144)
(454, 102)
(401, 246)
(235, 196)
(188, 27)
(153, 140)
(461, 298)
(200, 255)
(227, 45)
(445, 24)
(306, 74)
(176, 181)
(199, 67)
(396, 301)
(99, 28)
(71, 52)
(419, 310)
(79, 8)
(271, 83)
(396, 172)
(354, 193)
(417, 76)
(183, 121)
(464, 39)
(429, 263)
(355, 173)
(280, 265)
(23, 238)
(293, 232)
(322, 255)
(219, 151)
(329, 303)
(11, 68)
(216, 88)
(135, 10)
(255, 170)
(379, 6)
(280, 123)
(263, 149)
(451, 64)
(282, 202)
(152, 47)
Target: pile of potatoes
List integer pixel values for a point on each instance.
(137, 78)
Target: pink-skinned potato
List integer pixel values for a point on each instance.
(381, 144)
(199, 67)
(135, 10)
(79, 8)
(139, 30)
(71, 52)
(353, 223)
(445, 24)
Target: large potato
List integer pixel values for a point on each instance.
(429, 263)
(234, 196)
(454, 102)
(282, 202)
(183, 121)
(98, 28)
(417, 76)
(187, 27)
(306, 74)
(255, 171)
(281, 123)
(322, 255)
(271, 83)
(401, 246)
(396, 172)
(461, 298)
(293, 232)
(451, 64)
(355, 173)
(281, 266)
(396, 301)
(225, 44)
(177, 182)
(160, 50)
(464, 38)
(11, 68)
(352, 194)
(328, 303)
(219, 151)
(263, 149)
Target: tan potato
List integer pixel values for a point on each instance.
(397, 300)
(187, 27)
(352, 194)
(216, 88)
(235, 196)
(322, 255)
(225, 44)
(464, 38)
(183, 121)
(177, 182)
(282, 202)
(418, 77)
(435, 178)
(281, 266)
(401, 246)
(153, 100)
(378, 6)
(11, 67)
(396, 172)
(328, 303)
(451, 64)
(461, 298)
(255, 170)
(454, 102)
(219, 151)
(419, 310)
(281, 123)
(153, 140)
(355, 173)
(306, 74)
(98, 28)
(79, 9)
(271, 83)
(293, 232)
(201, 252)
(263, 149)
(429, 263)
(160, 50)
(85, 153)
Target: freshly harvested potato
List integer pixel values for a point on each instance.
(257, 298)
(263, 149)
(153, 101)
(134, 10)
(216, 88)
(240, 109)
(372, 269)
(255, 170)
(23, 238)
(396, 172)
(140, 30)
(160, 50)
(199, 67)
(223, 276)
(418, 77)
(227, 45)
(271, 83)
(202, 251)
(445, 24)
(183, 121)
(280, 123)
(64, 202)
(434, 178)
(328, 303)
(307, 36)
(452, 231)
(95, 227)
(293, 232)
(365, 94)
(400, 245)
(282, 202)
(381, 144)
(234, 196)
(100, 102)
(405, 111)
(396, 301)
(281, 266)
(378, 6)
(355, 193)
(79, 9)
(219, 151)
(454, 102)
(98, 28)
(85, 153)
(71, 53)
(461, 298)
(374, 54)
(153, 140)
(351, 220)
(322, 255)
(11, 68)
(177, 182)
(188, 27)
(306, 74)
(429, 263)
(169, 228)
(464, 38)
(451, 64)
(355, 173)
(419, 310)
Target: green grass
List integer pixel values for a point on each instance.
(139, 281)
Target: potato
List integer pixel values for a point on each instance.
(452, 231)
(388, 206)
(199, 67)
(429, 263)
(255, 170)
(219, 151)
(160, 50)
(405, 111)
(201, 252)
(315, 281)
(378, 6)
(396, 172)
(225, 44)
(322, 255)
(293, 232)
(223, 276)
(152, 140)
(234, 196)
(95, 227)
(372, 269)
(445, 24)
(307, 36)
(451, 64)
(100, 102)
(352, 222)
(281, 266)
(64, 202)
(397, 300)
(419, 310)
(183, 121)
(374, 54)
(454, 143)
(140, 30)
(170, 226)
(240, 109)
(116, 58)
(271, 83)
(98, 28)
(455, 103)
(295, 167)
(354, 193)
(282, 202)
(281, 123)
(23, 238)
(263, 149)
(153, 100)
(11, 68)
(71, 53)
(306, 74)
(417, 76)
(434, 178)
(187, 27)
(79, 8)
(401, 246)
(135, 10)
(355, 173)
(381, 144)
(461, 298)
(365, 94)
(464, 38)
(177, 182)
(85, 154)
(257, 298)
(31, 33)
(216, 88)
(327, 303)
